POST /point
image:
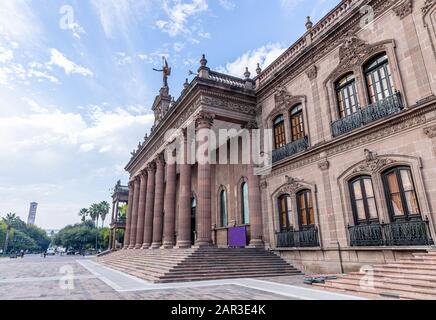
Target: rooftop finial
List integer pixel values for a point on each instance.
(259, 69)
(186, 84)
(247, 73)
(309, 23)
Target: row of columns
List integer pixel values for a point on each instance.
(148, 227)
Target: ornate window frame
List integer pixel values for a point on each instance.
(354, 53)
(284, 102)
(291, 187)
(374, 166)
(429, 18)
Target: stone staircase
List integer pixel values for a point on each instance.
(179, 265)
(408, 279)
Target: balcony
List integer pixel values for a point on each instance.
(290, 149)
(371, 113)
(401, 233)
(298, 239)
(119, 223)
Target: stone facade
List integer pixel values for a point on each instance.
(382, 131)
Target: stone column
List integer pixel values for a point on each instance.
(184, 224)
(128, 216)
(141, 211)
(133, 225)
(204, 123)
(158, 203)
(170, 206)
(149, 205)
(254, 199)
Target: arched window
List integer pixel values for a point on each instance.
(297, 124)
(284, 206)
(348, 99)
(379, 78)
(363, 200)
(400, 194)
(306, 217)
(244, 204)
(279, 132)
(223, 208)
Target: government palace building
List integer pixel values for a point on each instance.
(329, 161)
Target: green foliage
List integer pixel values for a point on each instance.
(104, 238)
(22, 236)
(78, 237)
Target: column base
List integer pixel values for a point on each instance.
(156, 245)
(145, 246)
(167, 245)
(256, 243)
(131, 247)
(138, 246)
(183, 245)
(203, 243)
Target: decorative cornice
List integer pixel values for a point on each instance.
(404, 9)
(430, 131)
(227, 105)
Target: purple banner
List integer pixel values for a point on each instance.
(237, 237)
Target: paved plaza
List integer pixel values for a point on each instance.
(79, 278)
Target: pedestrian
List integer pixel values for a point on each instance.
(45, 254)
(22, 253)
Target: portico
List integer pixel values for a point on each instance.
(177, 171)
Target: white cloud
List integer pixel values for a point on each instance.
(6, 55)
(227, 4)
(86, 147)
(18, 22)
(118, 15)
(42, 75)
(58, 59)
(290, 5)
(34, 106)
(178, 14)
(264, 55)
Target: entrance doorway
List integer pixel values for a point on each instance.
(193, 220)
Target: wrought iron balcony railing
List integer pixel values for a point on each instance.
(290, 149)
(401, 233)
(371, 113)
(298, 239)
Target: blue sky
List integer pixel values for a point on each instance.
(76, 83)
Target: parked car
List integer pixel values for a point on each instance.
(51, 252)
(71, 252)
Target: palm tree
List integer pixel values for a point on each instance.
(83, 214)
(94, 213)
(104, 211)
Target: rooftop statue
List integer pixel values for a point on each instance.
(166, 71)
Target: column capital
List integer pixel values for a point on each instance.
(151, 167)
(204, 120)
(160, 160)
(250, 125)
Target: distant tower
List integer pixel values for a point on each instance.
(32, 213)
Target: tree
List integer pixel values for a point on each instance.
(77, 237)
(83, 213)
(104, 211)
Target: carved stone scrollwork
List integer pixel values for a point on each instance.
(263, 184)
(312, 73)
(427, 6)
(373, 162)
(291, 186)
(430, 131)
(404, 9)
(324, 165)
